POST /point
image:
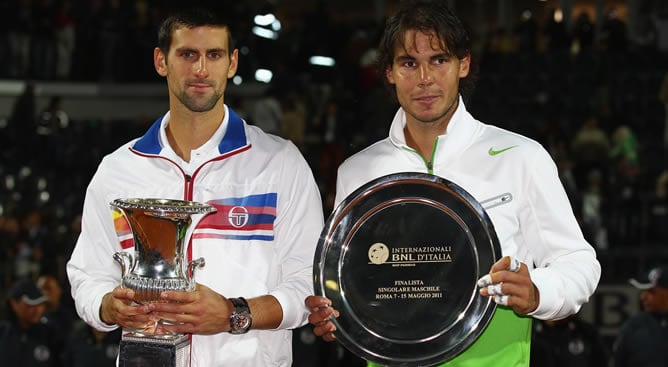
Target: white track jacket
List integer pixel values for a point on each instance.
(270, 253)
(516, 180)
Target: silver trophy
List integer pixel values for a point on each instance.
(157, 264)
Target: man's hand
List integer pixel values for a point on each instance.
(321, 316)
(118, 308)
(200, 312)
(510, 284)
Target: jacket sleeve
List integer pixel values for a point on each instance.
(567, 271)
(92, 271)
(299, 228)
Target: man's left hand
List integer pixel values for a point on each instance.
(200, 312)
(510, 284)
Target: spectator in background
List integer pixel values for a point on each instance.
(659, 209)
(583, 33)
(21, 122)
(661, 25)
(111, 33)
(25, 339)
(569, 342)
(52, 118)
(333, 126)
(49, 127)
(20, 26)
(86, 347)
(267, 113)
(10, 231)
(526, 32)
(556, 34)
(614, 35)
(554, 141)
(643, 339)
(294, 120)
(590, 148)
(593, 201)
(88, 48)
(43, 41)
(662, 185)
(501, 41)
(624, 155)
(623, 182)
(65, 39)
(58, 314)
(663, 98)
(27, 259)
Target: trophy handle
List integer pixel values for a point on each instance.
(126, 260)
(197, 263)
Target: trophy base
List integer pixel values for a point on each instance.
(167, 351)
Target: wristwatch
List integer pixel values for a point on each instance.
(241, 318)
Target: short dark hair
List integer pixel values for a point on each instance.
(191, 18)
(426, 16)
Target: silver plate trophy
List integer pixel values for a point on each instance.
(399, 258)
(158, 263)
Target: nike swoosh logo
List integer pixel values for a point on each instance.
(493, 152)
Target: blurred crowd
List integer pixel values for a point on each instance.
(597, 101)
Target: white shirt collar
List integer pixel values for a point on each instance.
(198, 156)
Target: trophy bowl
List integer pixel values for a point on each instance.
(159, 228)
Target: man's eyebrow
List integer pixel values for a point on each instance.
(404, 57)
(442, 55)
(407, 57)
(183, 49)
(191, 49)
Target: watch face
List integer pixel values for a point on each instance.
(240, 319)
(240, 322)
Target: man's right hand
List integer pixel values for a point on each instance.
(118, 308)
(321, 316)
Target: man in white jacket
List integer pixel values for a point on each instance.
(548, 269)
(202, 151)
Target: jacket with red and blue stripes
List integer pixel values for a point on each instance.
(261, 240)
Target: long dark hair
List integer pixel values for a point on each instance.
(427, 16)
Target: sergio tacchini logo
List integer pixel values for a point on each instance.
(493, 152)
(238, 216)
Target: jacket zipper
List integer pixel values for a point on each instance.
(428, 163)
(188, 187)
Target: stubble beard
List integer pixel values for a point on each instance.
(199, 104)
(437, 118)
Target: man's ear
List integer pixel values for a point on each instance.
(160, 61)
(234, 63)
(389, 76)
(464, 66)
